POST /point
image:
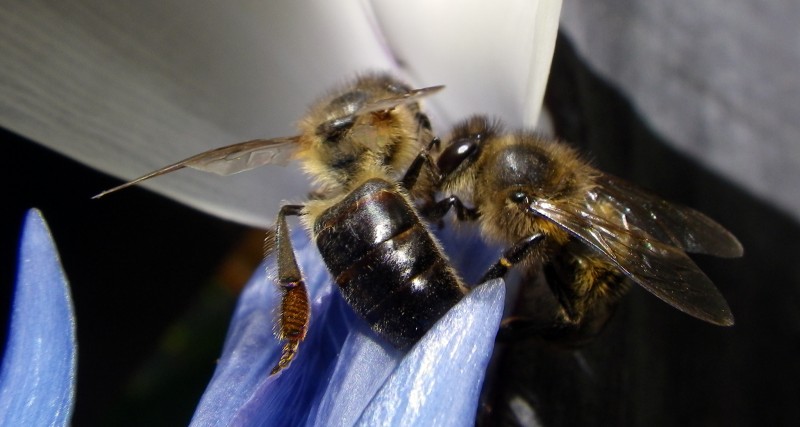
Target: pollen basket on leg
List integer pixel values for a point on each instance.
(293, 323)
(294, 313)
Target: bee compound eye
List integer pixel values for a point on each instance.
(455, 154)
(333, 130)
(519, 197)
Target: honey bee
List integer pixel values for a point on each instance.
(596, 230)
(365, 146)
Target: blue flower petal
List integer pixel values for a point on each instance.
(285, 399)
(241, 391)
(439, 381)
(342, 363)
(37, 377)
(364, 363)
(249, 349)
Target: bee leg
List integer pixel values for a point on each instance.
(294, 310)
(512, 256)
(422, 159)
(577, 317)
(438, 210)
(423, 122)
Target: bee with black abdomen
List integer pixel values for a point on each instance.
(365, 145)
(597, 230)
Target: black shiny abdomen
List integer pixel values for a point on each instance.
(385, 262)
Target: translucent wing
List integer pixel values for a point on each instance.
(664, 270)
(228, 160)
(389, 103)
(673, 224)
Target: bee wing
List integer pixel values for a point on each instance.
(228, 160)
(389, 103)
(680, 226)
(664, 270)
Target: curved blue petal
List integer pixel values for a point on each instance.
(341, 364)
(363, 364)
(37, 377)
(249, 349)
(285, 399)
(439, 381)
(365, 361)
(241, 391)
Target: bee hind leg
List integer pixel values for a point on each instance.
(294, 309)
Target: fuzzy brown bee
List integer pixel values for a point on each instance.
(597, 230)
(365, 145)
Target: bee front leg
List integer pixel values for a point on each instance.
(438, 210)
(295, 310)
(512, 256)
(422, 159)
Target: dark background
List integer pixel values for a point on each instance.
(154, 282)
